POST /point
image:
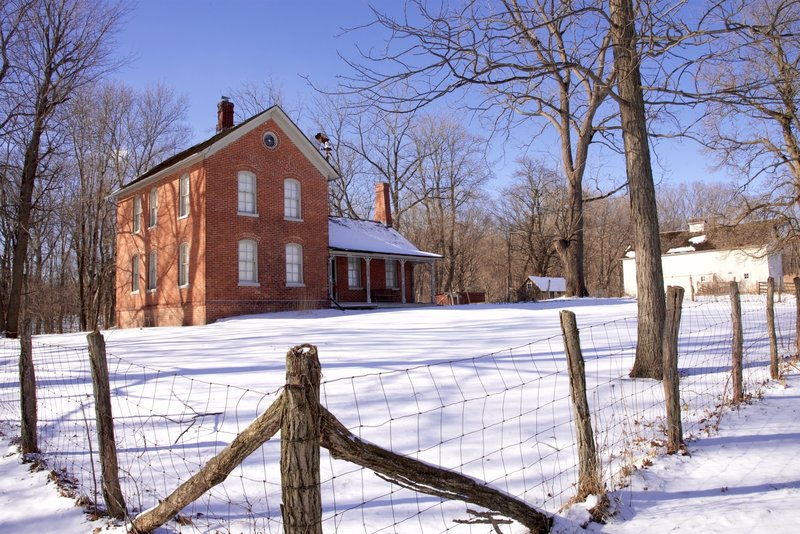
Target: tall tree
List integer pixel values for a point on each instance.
(63, 45)
(649, 275)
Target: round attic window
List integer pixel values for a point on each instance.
(270, 140)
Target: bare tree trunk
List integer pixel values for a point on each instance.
(649, 276)
(27, 394)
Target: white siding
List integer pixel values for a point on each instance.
(727, 265)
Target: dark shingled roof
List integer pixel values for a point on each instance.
(180, 156)
(721, 237)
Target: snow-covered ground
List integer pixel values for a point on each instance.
(479, 389)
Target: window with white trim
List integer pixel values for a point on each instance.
(294, 264)
(152, 270)
(247, 192)
(248, 261)
(183, 196)
(135, 274)
(391, 274)
(137, 214)
(353, 272)
(153, 207)
(291, 199)
(183, 265)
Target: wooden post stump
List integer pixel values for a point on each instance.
(109, 470)
(300, 442)
(672, 395)
(774, 370)
(589, 482)
(27, 394)
(736, 344)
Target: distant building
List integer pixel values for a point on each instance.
(707, 256)
(542, 287)
(239, 224)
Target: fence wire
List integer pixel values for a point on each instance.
(503, 418)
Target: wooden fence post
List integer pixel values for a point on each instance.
(27, 393)
(589, 482)
(300, 442)
(774, 371)
(672, 395)
(796, 281)
(736, 343)
(112, 493)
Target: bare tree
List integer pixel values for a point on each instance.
(751, 79)
(65, 46)
(649, 276)
(449, 182)
(114, 134)
(540, 59)
(533, 209)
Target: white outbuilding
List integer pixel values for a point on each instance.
(708, 256)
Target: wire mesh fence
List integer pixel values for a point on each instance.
(502, 418)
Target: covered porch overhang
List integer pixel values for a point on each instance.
(367, 258)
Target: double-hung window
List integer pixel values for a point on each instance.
(183, 196)
(248, 261)
(152, 270)
(183, 265)
(247, 192)
(135, 274)
(294, 264)
(153, 207)
(137, 214)
(353, 272)
(391, 274)
(291, 199)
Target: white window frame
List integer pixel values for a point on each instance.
(183, 197)
(152, 207)
(294, 264)
(246, 193)
(137, 214)
(292, 194)
(391, 274)
(135, 263)
(247, 254)
(353, 272)
(183, 265)
(152, 271)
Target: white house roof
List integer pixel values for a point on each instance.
(549, 283)
(369, 237)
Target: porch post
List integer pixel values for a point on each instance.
(369, 285)
(331, 259)
(403, 281)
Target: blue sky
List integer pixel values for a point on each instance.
(205, 48)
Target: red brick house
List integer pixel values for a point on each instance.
(239, 224)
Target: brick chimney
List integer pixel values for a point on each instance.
(224, 114)
(383, 205)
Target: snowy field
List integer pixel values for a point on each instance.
(482, 390)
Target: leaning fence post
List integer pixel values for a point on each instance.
(589, 482)
(672, 394)
(300, 442)
(112, 493)
(736, 344)
(774, 371)
(27, 393)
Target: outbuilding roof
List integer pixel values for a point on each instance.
(718, 237)
(549, 283)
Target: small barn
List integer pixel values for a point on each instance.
(542, 287)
